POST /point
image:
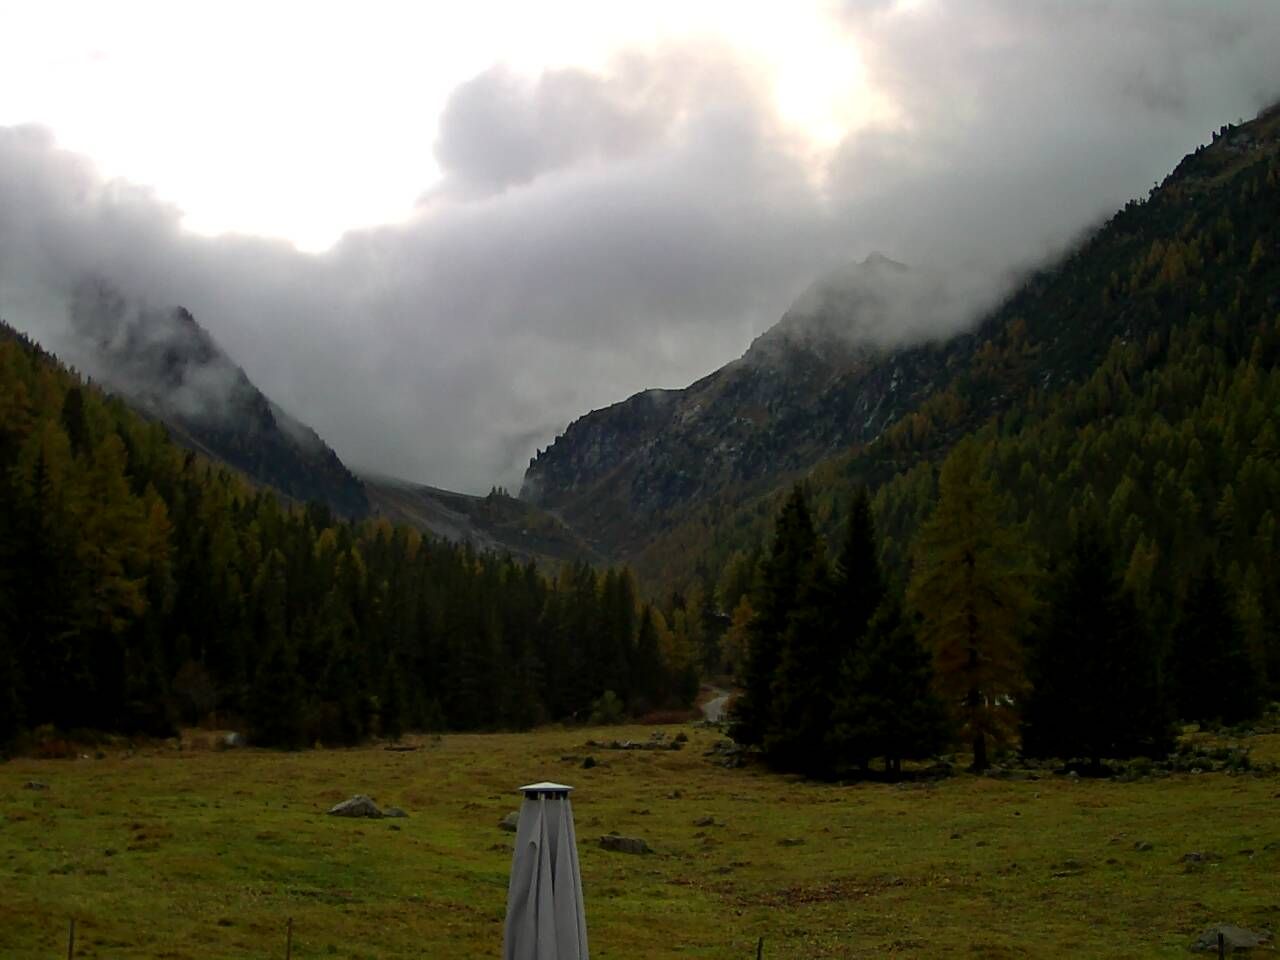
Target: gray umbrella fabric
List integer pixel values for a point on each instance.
(545, 915)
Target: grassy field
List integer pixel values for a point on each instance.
(203, 854)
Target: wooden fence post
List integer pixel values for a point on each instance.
(759, 948)
(1222, 946)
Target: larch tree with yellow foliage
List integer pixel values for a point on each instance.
(971, 587)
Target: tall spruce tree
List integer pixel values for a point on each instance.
(1213, 676)
(860, 587)
(1093, 670)
(647, 683)
(886, 706)
(801, 694)
(774, 599)
(971, 588)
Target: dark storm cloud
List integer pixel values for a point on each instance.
(596, 234)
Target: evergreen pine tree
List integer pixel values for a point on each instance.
(774, 599)
(646, 679)
(801, 695)
(1093, 671)
(274, 706)
(1213, 678)
(887, 706)
(391, 705)
(860, 587)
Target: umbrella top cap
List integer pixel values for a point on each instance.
(545, 787)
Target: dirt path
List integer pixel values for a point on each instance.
(713, 709)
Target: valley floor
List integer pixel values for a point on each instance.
(203, 854)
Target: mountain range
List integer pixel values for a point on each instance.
(854, 385)
(171, 369)
(672, 481)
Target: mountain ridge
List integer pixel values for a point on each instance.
(628, 477)
(170, 368)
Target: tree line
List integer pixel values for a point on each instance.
(143, 587)
(989, 643)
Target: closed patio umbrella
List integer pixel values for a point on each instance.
(545, 917)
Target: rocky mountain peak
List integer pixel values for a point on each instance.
(166, 364)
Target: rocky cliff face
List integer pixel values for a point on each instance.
(822, 379)
(169, 367)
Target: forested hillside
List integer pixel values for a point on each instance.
(142, 587)
(1134, 381)
(1075, 535)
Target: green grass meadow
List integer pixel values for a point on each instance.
(205, 854)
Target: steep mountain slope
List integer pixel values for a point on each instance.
(497, 522)
(169, 367)
(1132, 382)
(628, 478)
(808, 387)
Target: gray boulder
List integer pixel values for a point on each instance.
(511, 822)
(357, 806)
(394, 812)
(619, 844)
(1234, 939)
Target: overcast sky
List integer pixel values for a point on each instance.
(438, 236)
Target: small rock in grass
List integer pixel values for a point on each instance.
(588, 763)
(705, 822)
(1142, 846)
(358, 806)
(619, 844)
(511, 822)
(1233, 938)
(35, 785)
(791, 842)
(394, 812)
